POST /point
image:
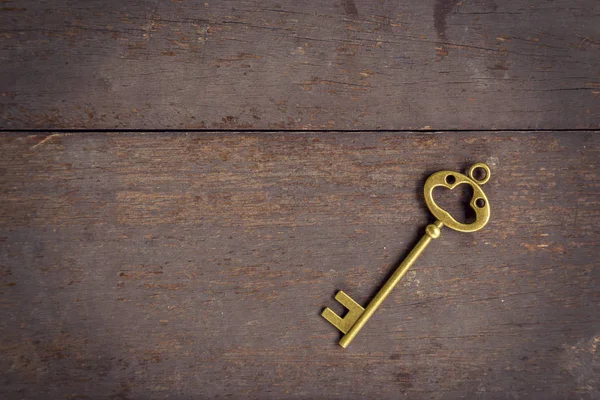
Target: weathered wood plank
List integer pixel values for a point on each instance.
(287, 64)
(146, 266)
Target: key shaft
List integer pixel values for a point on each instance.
(431, 232)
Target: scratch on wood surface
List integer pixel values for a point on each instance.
(47, 138)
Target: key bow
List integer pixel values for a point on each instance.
(479, 202)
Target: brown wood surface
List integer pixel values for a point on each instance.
(287, 64)
(195, 265)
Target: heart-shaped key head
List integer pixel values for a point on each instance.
(479, 202)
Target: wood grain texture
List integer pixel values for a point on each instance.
(283, 64)
(190, 265)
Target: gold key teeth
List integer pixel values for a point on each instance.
(355, 310)
(346, 301)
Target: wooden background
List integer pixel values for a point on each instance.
(185, 185)
(288, 64)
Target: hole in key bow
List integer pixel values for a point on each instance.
(450, 179)
(456, 201)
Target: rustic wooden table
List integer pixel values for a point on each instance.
(185, 185)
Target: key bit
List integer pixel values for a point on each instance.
(354, 312)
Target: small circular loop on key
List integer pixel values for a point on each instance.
(476, 166)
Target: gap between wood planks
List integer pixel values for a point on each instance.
(426, 131)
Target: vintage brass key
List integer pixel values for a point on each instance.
(357, 316)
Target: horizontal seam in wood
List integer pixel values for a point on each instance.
(115, 130)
